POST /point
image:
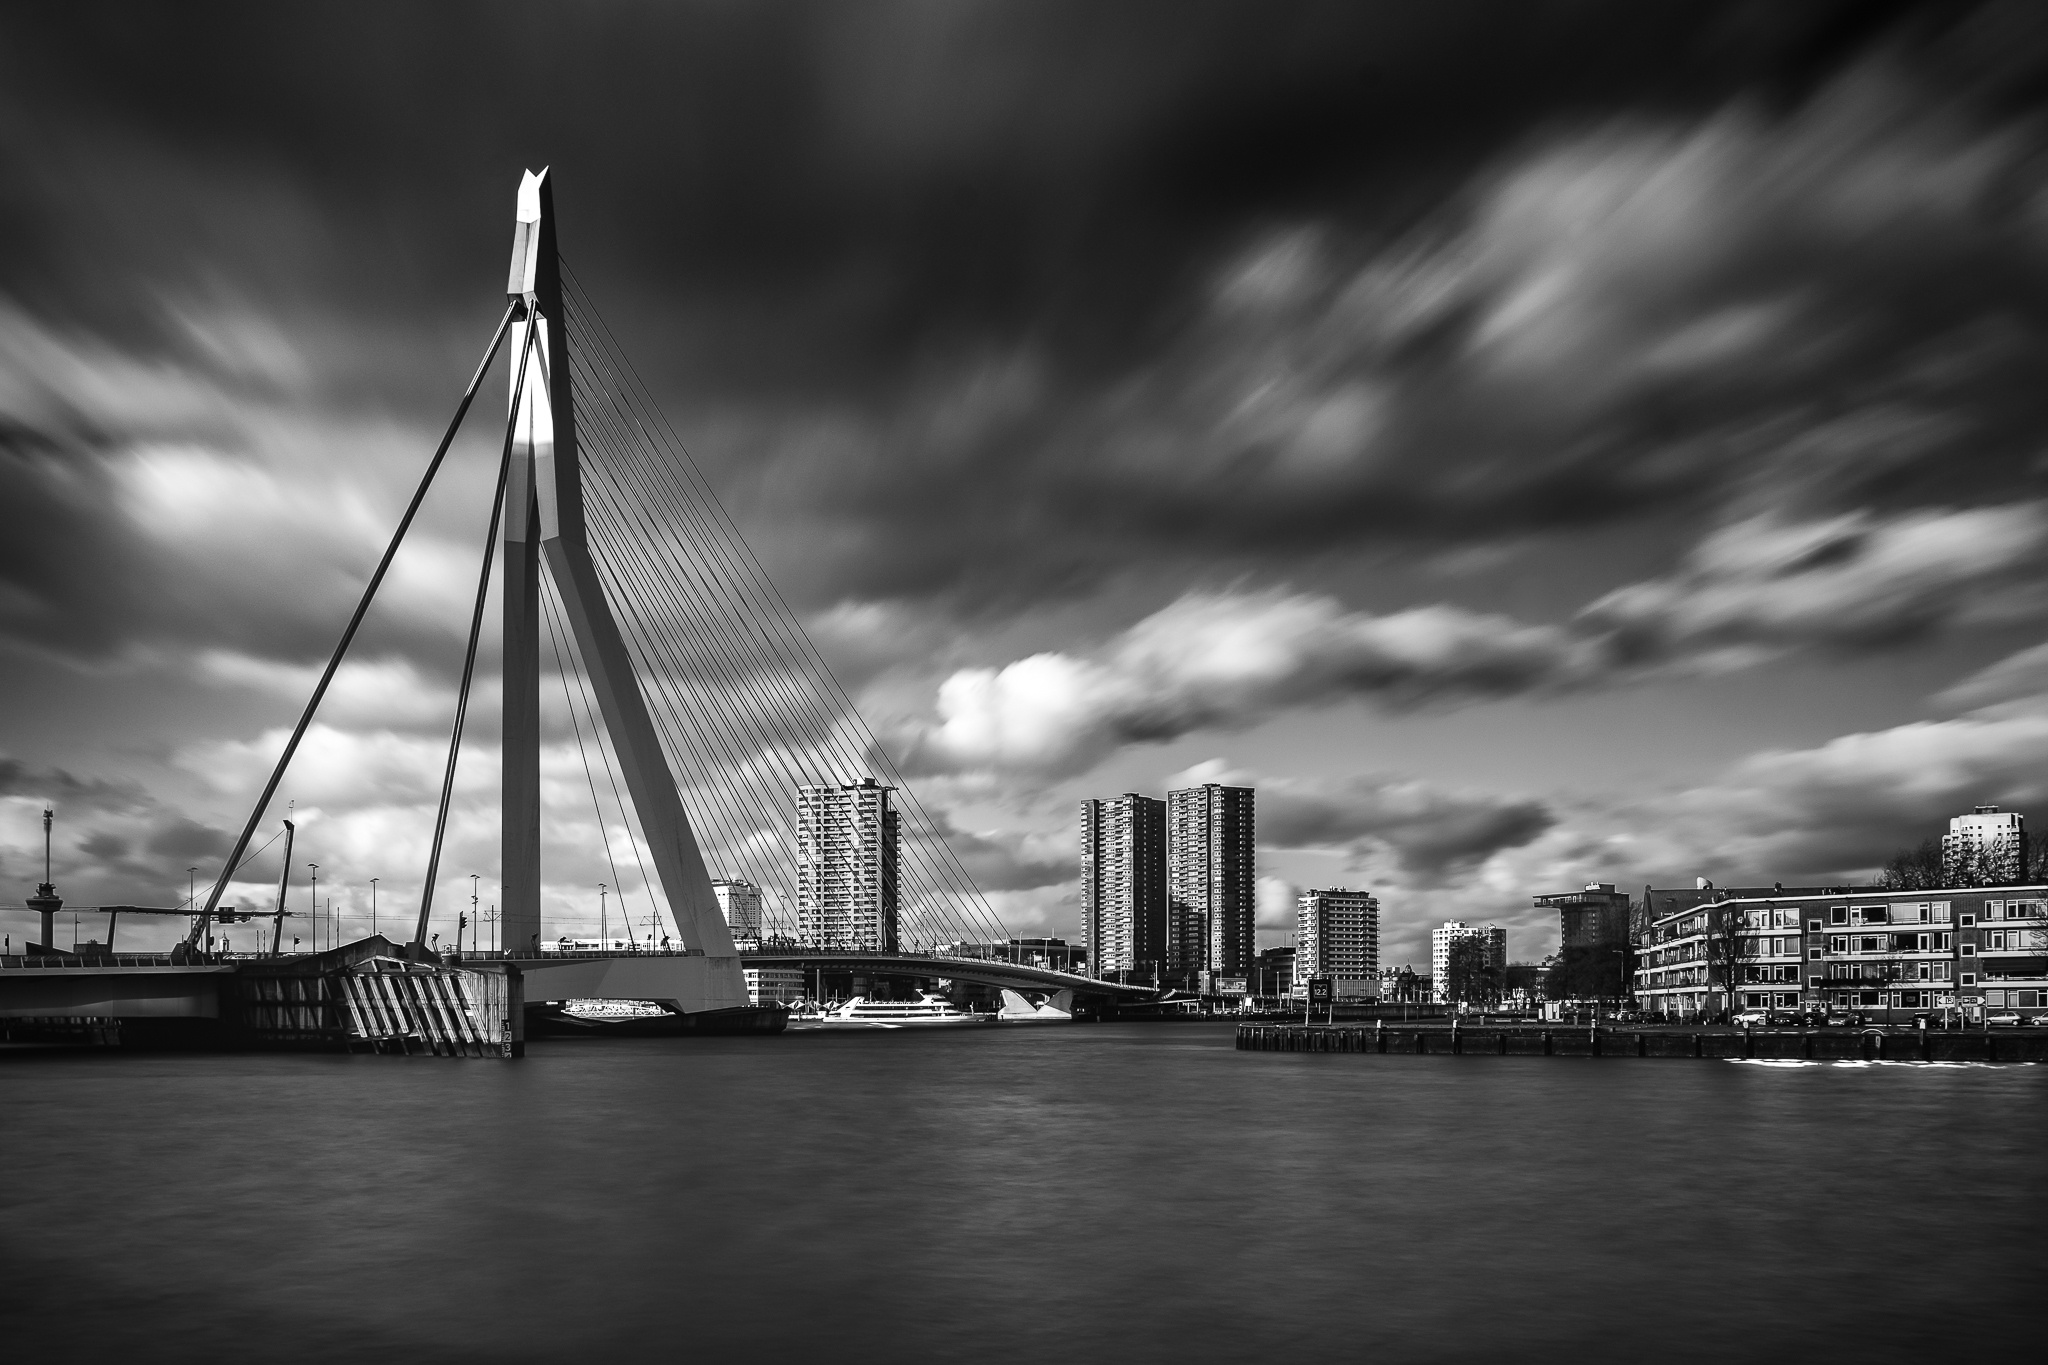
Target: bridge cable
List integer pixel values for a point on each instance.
(562, 667)
(954, 874)
(779, 676)
(234, 857)
(770, 675)
(476, 626)
(779, 648)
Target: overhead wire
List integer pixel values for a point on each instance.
(760, 606)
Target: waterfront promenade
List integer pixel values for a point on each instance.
(1553, 1040)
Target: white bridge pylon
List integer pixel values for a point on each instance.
(544, 522)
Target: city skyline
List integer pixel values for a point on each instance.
(1620, 474)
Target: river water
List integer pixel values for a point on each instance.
(1085, 1193)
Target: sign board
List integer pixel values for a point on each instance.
(1320, 990)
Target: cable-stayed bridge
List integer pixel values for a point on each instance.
(698, 706)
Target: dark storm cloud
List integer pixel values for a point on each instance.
(62, 788)
(990, 302)
(1433, 834)
(186, 838)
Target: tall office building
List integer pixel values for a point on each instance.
(1490, 954)
(1212, 875)
(1987, 847)
(740, 902)
(1123, 886)
(846, 887)
(1337, 935)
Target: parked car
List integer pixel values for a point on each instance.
(1848, 1019)
(1752, 1019)
(2003, 1019)
(2039, 1019)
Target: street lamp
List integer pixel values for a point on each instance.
(472, 914)
(373, 905)
(316, 905)
(604, 932)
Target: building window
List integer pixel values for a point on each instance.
(1969, 978)
(1813, 954)
(1839, 915)
(1969, 950)
(1994, 997)
(1969, 920)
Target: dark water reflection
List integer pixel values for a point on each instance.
(1085, 1193)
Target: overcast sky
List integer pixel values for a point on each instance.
(1533, 444)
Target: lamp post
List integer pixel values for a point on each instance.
(316, 905)
(603, 924)
(373, 905)
(472, 914)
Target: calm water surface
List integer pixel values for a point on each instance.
(1084, 1193)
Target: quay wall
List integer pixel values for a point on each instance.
(1868, 1045)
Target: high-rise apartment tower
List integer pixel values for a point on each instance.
(1987, 847)
(1123, 885)
(846, 889)
(1212, 874)
(1337, 935)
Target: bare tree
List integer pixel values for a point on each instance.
(1470, 977)
(1914, 869)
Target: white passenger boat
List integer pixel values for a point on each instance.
(932, 1011)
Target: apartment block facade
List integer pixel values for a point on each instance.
(847, 888)
(1337, 935)
(1888, 955)
(1124, 886)
(1492, 953)
(740, 902)
(1212, 881)
(1987, 847)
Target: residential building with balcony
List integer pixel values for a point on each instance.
(1124, 887)
(847, 839)
(1886, 955)
(1450, 960)
(1987, 847)
(740, 902)
(1212, 875)
(1337, 935)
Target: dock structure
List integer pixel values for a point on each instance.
(1511, 1040)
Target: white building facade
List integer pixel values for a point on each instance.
(740, 902)
(1987, 847)
(1337, 935)
(1493, 952)
(774, 985)
(847, 839)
